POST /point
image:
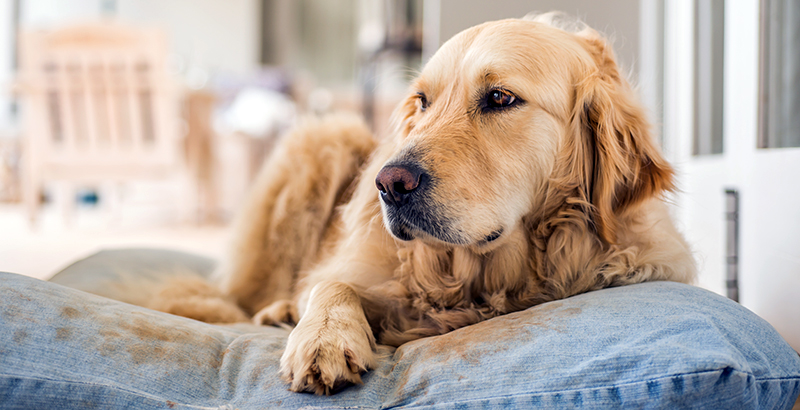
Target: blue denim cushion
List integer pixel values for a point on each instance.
(655, 345)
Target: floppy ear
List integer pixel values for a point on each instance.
(618, 164)
(401, 121)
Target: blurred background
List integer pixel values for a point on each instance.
(141, 123)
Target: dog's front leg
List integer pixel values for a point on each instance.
(332, 343)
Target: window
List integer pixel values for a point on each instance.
(779, 82)
(708, 76)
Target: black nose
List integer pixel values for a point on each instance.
(397, 182)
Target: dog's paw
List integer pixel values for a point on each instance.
(324, 355)
(280, 312)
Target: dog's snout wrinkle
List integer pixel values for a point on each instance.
(397, 182)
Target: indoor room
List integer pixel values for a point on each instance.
(592, 208)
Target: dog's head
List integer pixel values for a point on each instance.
(504, 119)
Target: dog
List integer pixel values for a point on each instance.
(520, 170)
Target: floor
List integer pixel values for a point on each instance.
(42, 250)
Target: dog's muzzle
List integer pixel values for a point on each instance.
(409, 209)
(404, 194)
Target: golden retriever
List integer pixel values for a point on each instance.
(521, 170)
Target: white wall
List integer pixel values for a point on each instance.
(216, 35)
(618, 19)
(7, 37)
(43, 13)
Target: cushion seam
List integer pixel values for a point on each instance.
(156, 398)
(132, 392)
(531, 394)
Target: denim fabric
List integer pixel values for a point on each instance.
(655, 345)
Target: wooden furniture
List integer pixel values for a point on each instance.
(9, 169)
(99, 109)
(199, 146)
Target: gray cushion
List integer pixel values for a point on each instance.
(130, 275)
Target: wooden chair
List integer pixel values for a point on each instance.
(9, 170)
(99, 109)
(199, 145)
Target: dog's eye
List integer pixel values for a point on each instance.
(498, 98)
(422, 101)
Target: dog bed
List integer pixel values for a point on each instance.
(72, 342)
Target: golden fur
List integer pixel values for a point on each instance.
(541, 181)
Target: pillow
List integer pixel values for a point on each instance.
(653, 345)
(131, 275)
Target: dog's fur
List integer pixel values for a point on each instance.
(534, 177)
